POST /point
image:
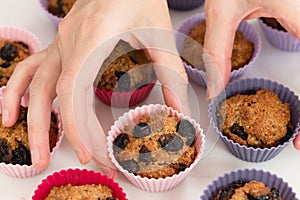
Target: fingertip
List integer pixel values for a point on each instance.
(40, 162)
(83, 156)
(296, 142)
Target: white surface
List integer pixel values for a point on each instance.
(272, 63)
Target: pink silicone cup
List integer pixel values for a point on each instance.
(199, 76)
(151, 184)
(17, 34)
(54, 19)
(24, 171)
(124, 99)
(243, 152)
(269, 179)
(279, 38)
(76, 177)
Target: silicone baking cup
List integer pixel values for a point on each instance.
(243, 152)
(184, 4)
(199, 76)
(269, 179)
(151, 184)
(76, 177)
(279, 38)
(24, 171)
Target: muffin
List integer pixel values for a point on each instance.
(185, 5)
(14, 144)
(248, 190)
(60, 7)
(87, 191)
(248, 184)
(78, 184)
(190, 38)
(126, 76)
(241, 53)
(155, 147)
(277, 35)
(255, 118)
(238, 118)
(11, 53)
(15, 158)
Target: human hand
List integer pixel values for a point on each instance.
(222, 20)
(54, 71)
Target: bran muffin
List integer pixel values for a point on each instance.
(242, 50)
(81, 192)
(255, 119)
(60, 8)
(157, 146)
(125, 69)
(14, 144)
(11, 53)
(241, 190)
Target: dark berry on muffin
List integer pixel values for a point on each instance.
(130, 165)
(187, 130)
(141, 129)
(170, 142)
(145, 155)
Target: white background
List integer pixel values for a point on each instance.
(272, 63)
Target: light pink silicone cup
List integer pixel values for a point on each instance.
(54, 19)
(269, 179)
(24, 171)
(11, 33)
(152, 184)
(199, 76)
(76, 177)
(280, 39)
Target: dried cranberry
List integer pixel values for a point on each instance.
(187, 130)
(60, 9)
(227, 193)
(8, 52)
(111, 198)
(22, 44)
(263, 197)
(123, 81)
(239, 131)
(141, 129)
(145, 155)
(5, 151)
(170, 142)
(249, 92)
(275, 194)
(121, 142)
(21, 156)
(6, 64)
(130, 165)
(289, 133)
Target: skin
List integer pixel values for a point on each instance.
(226, 15)
(52, 72)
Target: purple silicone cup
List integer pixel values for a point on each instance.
(54, 19)
(280, 39)
(199, 76)
(243, 152)
(269, 179)
(184, 4)
(152, 184)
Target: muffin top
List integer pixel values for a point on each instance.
(60, 7)
(193, 48)
(249, 190)
(81, 192)
(125, 69)
(11, 53)
(255, 118)
(272, 22)
(157, 146)
(14, 143)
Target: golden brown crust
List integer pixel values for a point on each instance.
(7, 65)
(259, 120)
(241, 53)
(81, 192)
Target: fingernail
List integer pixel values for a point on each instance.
(81, 156)
(35, 157)
(5, 116)
(211, 88)
(109, 172)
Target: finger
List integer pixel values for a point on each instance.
(297, 141)
(41, 93)
(17, 85)
(170, 72)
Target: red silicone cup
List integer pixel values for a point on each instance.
(24, 171)
(76, 177)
